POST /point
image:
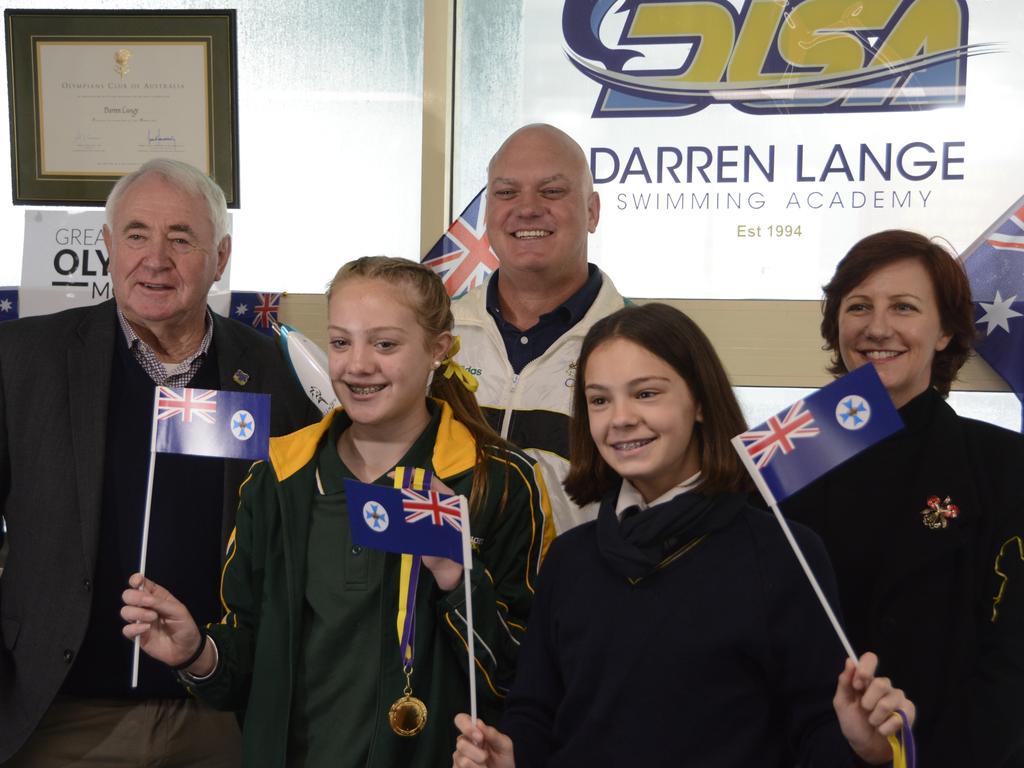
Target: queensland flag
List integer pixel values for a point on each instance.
(818, 433)
(463, 256)
(256, 309)
(406, 521)
(211, 422)
(995, 266)
(8, 304)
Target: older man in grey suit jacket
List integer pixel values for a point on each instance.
(74, 438)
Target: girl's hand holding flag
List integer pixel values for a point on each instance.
(868, 709)
(481, 746)
(447, 573)
(165, 628)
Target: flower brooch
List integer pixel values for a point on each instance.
(939, 513)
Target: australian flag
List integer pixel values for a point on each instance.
(8, 304)
(256, 309)
(463, 256)
(406, 521)
(211, 422)
(995, 266)
(818, 433)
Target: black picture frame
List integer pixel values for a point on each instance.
(27, 30)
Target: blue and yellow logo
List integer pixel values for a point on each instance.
(676, 57)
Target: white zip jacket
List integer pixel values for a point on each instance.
(531, 409)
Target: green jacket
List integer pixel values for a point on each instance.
(259, 640)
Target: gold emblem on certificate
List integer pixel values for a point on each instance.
(121, 61)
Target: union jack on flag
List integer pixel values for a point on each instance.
(186, 403)
(256, 309)
(186, 422)
(431, 505)
(1009, 235)
(463, 257)
(268, 307)
(839, 420)
(762, 444)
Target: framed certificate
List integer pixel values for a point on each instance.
(95, 94)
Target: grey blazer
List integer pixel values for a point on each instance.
(54, 383)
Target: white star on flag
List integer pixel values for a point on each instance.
(998, 313)
(5, 305)
(241, 309)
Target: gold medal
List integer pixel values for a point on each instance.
(408, 715)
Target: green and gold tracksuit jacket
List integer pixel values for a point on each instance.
(308, 646)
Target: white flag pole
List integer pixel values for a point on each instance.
(769, 497)
(467, 566)
(136, 650)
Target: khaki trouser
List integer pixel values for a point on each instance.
(155, 733)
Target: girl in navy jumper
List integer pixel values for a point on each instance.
(677, 628)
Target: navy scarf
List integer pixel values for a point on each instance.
(638, 545)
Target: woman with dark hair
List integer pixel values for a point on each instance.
(924, 529)
(677, 628)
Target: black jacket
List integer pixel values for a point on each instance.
(54, 381)
(923, 598)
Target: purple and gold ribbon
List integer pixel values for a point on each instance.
(902, 744)
(416, 479)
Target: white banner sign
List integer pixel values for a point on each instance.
(740, 148)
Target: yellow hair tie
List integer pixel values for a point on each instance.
(452, 368)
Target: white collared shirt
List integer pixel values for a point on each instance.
(629, 496)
